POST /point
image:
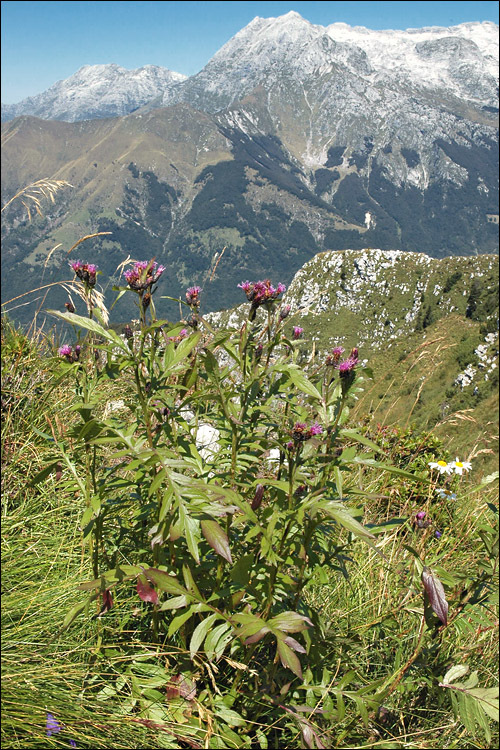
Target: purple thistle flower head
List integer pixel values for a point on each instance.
(192, 296)
(421, 521)
(143, 274)
(246, 286)
(316, 429)
(301, 432)
(65, 351)
(52, 725)
(333, 358)
(346, 367)
(261, 291)
(297, 332)
(86, 272)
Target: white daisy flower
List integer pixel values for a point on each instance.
(458, 467)
(444, 493)
(441, 466)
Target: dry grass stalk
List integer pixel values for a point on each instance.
(35, 191)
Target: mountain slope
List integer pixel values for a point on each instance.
(428, 329)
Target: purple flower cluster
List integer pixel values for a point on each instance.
(86, 272)
(52, 726)
(180, 336)
(334, 358)
(301, 432)
(143, 274)
(260, 292)
(346, 366)
(422, 521)
(67, 352)
(297, 332)
(193, 296)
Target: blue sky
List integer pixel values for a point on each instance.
(44, 42)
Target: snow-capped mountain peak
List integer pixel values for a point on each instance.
(96, 91)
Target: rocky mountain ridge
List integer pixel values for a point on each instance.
(96, 91)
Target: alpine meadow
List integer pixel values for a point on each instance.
(250, 397)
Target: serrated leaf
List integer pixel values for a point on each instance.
(200, 633)
(435, 592)
(217, 538)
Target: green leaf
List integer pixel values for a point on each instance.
(228, 715)
(112, 577)
(391, 469)
(175, 603)
(290, 622)
(200, 632)
(488, 700)
(217, 538)
(353, 435)
(455, 673)
(178, 621)
(91, 325)
(240, 572)
(165, 582)
(217, 640)
(76, 610)
(43, 474)
(289, 659)
(298, 378)
(191, 531)
(344, 518)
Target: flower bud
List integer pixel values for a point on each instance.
(257, 500)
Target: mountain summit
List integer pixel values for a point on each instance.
(97, 91)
